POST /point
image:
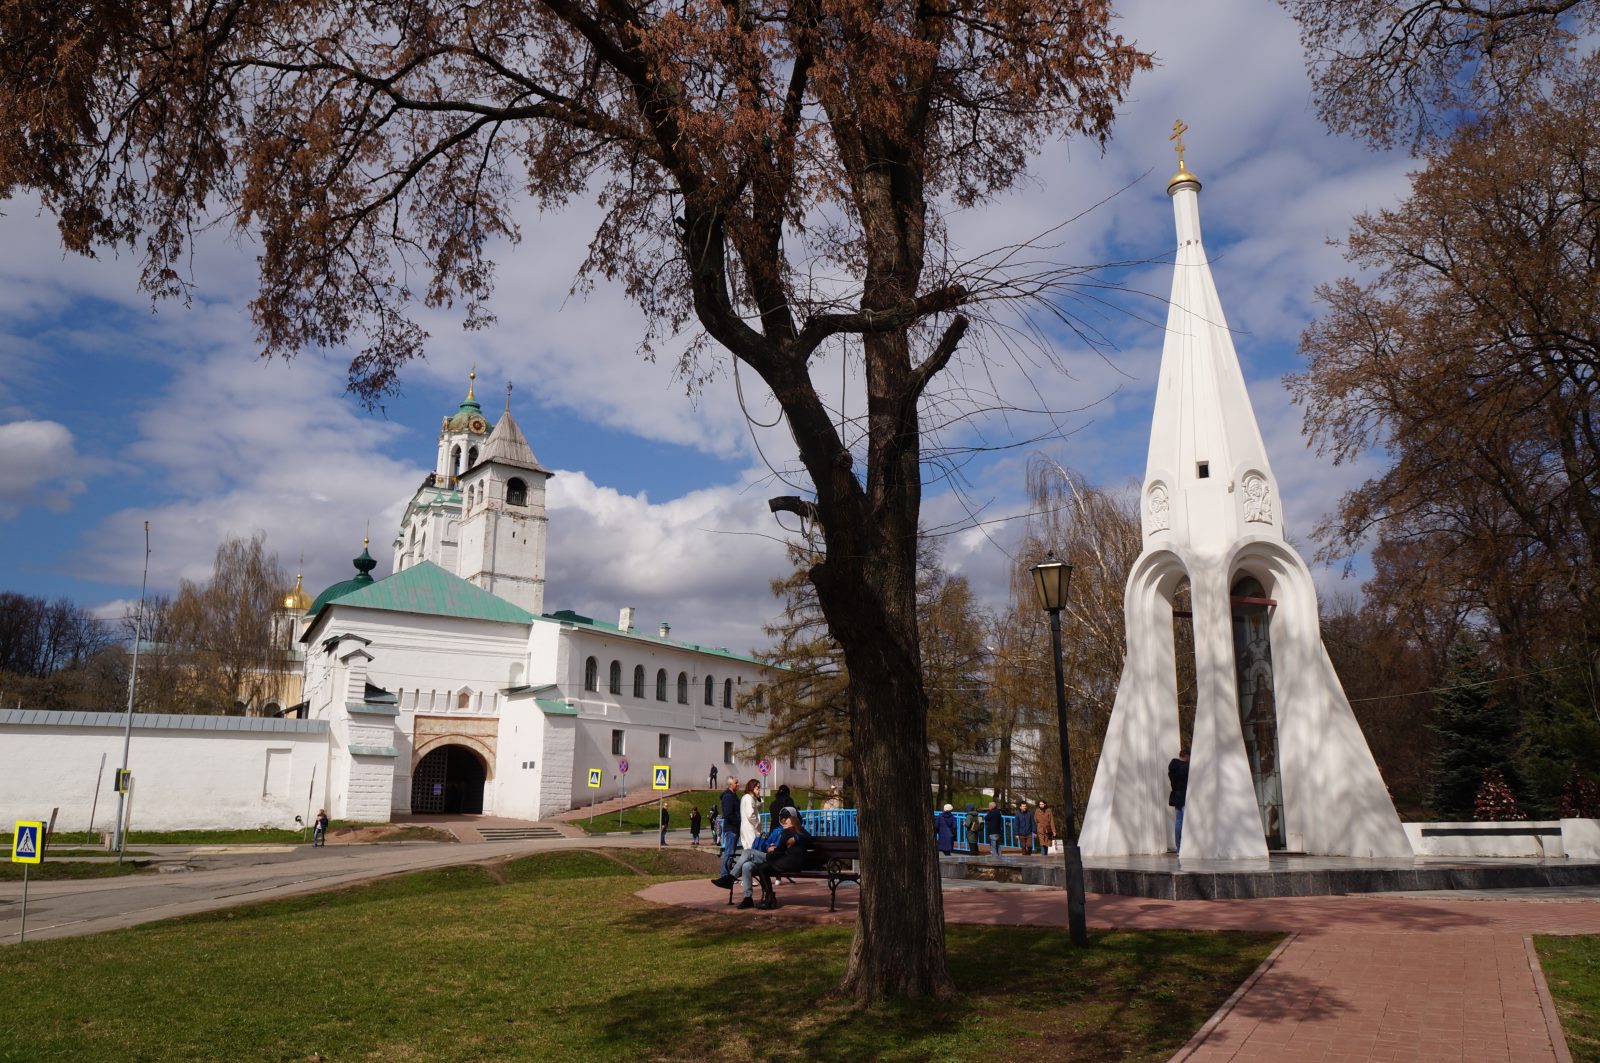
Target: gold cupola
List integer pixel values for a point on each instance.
(297, 599)
(1183, 175)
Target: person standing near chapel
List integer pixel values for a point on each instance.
(711, 778)
(1178, 775)
(1024, 829)
(694, 827)
(729, 822)
(1046, 820)
(994, 827)
(944, 830)
(666, 818)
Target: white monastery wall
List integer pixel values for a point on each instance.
(189, 773)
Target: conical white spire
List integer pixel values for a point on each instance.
(1207, 476)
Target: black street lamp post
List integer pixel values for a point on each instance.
(1052, 579)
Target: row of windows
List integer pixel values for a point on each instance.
(619, 747)
(591, 681)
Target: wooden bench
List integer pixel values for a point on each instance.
(830, 859)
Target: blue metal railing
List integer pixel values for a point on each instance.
(842, 822)
(823, 822)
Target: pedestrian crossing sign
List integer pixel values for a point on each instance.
(661, 779)
(124, 781)
(594, 778)
(27, 842)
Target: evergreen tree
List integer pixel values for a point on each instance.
(1475, 734)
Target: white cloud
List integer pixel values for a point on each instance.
(701, 562)
(39, 467)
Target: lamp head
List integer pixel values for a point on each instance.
(1052, 579)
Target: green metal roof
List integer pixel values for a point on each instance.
(427, 588)
(567, 616)
(363, 578)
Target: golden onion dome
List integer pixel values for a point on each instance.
(1181, 176)
(297, 599)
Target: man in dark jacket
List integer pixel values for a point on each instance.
(1178, 775)
(787, 855)
(1024, 829)
(730, 823)
(994, 827)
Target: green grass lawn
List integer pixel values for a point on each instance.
(552, 957)
(57, 870)
(1572, 969)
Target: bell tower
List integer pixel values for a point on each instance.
(1279, 762)
(431, 527)
(503, 523)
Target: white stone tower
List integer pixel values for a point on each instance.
(503, 522)
(1278, 760)
(431, 527)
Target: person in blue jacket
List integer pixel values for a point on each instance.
(944, 829)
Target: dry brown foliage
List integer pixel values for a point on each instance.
(1468, 356)
(1406, 71)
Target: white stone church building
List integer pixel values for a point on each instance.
(442, 687)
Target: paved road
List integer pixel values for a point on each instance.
(229, 877)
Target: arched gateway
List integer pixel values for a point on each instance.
(449, 779)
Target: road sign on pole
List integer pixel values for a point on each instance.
(27, 848)
(124, 776)
(27, 842)
(763, 765)
(661, 778)
(594, 778)
(622, 765)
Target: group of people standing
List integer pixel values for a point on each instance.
(1034, 829)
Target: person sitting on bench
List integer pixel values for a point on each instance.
(744, 868)
(787, 855)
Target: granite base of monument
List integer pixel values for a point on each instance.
(1280, 875)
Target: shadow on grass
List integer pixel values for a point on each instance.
(1020, 991)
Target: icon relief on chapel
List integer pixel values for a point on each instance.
(1160, 509)
(1257, 499)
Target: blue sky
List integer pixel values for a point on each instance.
(112, 412)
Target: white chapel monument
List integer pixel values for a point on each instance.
(1279, 762)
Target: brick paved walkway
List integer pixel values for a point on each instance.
(1359, 978)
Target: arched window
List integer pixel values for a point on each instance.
(472, 457)
(638, 680)
(683, 688)
(711, 691)
(661, 684)
(455, 461)
(591, 674)
(516, 492)
(727, 693)
(616, 677)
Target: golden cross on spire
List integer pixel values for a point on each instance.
(1178, 130)
(508, 396)
(472, 381)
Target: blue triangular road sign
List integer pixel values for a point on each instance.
(28, 842)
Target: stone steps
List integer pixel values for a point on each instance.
(517, 834)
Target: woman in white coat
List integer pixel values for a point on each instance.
(750, 814)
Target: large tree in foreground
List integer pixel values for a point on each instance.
(770, 169)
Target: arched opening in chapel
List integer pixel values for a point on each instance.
(1258, 711)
